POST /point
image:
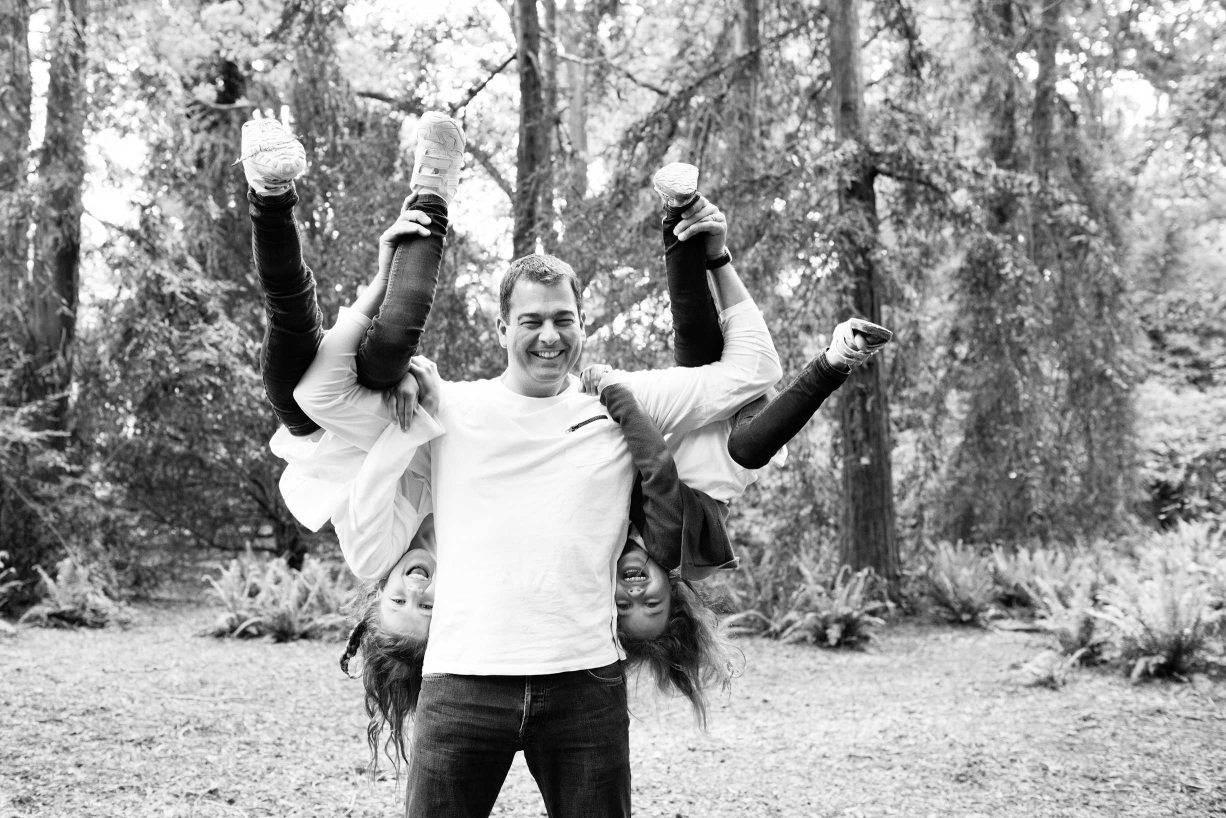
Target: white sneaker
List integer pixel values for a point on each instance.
(676, 183)
(439, 156)
(271, 156)
(844, 352)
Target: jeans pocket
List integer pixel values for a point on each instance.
(607, 675)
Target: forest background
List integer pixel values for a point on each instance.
(1030, 194)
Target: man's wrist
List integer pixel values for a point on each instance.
(722, 260)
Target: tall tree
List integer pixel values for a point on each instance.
(15, 101)
(57, 249)
(532, 156)
(869, 539)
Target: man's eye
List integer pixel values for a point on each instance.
(530, 324)
(564, 322)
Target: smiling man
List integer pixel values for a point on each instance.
(530, 484)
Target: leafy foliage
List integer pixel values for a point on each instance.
(266, 598)
(960, 584)
(74, 598)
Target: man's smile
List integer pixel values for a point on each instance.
(547, 354)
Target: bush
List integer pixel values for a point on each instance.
(839, 615)
(960, 585)
(1069, 615)
(1025, 576)
(267, 598)
(1162, 621)
(74, 599)
(842, 616)
(7, 581)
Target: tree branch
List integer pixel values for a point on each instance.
(605, 61)
(486, 161)
(476, 89)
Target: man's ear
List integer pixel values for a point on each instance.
(502, 328)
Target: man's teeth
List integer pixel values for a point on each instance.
(548, 355)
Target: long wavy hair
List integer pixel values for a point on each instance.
(691, 656)
(391, 675)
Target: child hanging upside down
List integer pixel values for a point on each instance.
(679, 505)
(330, 477)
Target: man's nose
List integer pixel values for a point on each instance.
(635, 590)
(549, 333)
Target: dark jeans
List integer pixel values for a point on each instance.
(383, 355)
(765, 425)
(295, 323)
(573, 728)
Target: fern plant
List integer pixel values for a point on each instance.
(1162, 621)
(841, 616)
(960, 585)
(270, 599)
(73, 598)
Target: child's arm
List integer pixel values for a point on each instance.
(657, 507)
(681, 527)
(388, 499)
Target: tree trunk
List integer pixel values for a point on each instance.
(57, 250)
(869, 539)
(549, 125)
(14, 146)
(580, 26)
(532, 155)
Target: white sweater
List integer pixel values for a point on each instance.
(530, 501)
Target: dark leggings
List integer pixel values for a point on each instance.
(762, 427)
(295, 323)
(393, 337)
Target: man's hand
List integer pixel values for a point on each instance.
(704, 217)
(410, 223)
(430, 385)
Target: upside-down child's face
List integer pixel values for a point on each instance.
(407, 599)
(644, 596)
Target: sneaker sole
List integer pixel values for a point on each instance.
(877, 335)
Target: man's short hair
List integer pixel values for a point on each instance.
(541, 269)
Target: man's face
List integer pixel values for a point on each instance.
(406, 602)
(543, 337)
(644, 597)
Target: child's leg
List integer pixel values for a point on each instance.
(393, 338)
(295, 324)
(761, 429)
(697, 338)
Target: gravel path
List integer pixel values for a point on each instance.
(153, 721)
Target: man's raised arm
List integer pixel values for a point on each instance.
(681, 399)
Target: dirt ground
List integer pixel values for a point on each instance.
(153, 721)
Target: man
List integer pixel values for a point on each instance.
(530, 486)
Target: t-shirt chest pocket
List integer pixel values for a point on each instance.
(589, 443)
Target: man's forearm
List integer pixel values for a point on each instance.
(728, 288)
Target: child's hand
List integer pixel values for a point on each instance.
(590, 377)
(410, 223)
(430, 385)
(402, 399)
(704, 217)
